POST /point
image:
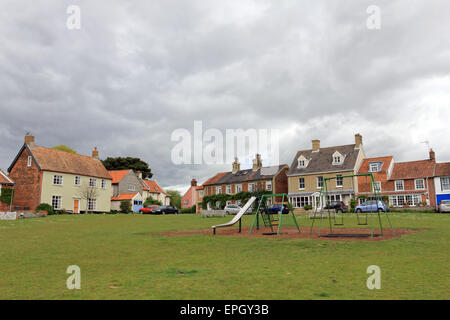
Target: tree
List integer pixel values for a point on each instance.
(150, 201)
(64, 148)
(87, 192)
(175, 198)
(125, 206)
(136, 164)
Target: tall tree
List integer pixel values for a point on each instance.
(87, 192)
(120, 163)
(175, 198)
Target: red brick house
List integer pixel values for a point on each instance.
(404, 183)
(5, 183)
(272, 178)
(190, 197)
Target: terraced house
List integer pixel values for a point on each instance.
(271, 178)
(65, 180)
(310, 167)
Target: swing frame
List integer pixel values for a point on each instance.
(324, 194)
(262, 205)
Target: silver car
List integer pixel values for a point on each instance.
(444, 206)
(234, 209)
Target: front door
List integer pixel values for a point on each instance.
(76, 206)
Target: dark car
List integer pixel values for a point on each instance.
(337, 206)
(165, 210)
(277, 207)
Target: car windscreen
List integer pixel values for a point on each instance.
(446, 202)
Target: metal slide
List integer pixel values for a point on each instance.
(237, 217)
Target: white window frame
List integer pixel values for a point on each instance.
(238, 188)
(445, 183)
(374, 186)
(29, 161)
(228, 189)
(218, 190)
(321, 182)
(56, 180)
(269, 185)
(77, 178)
(302, 162)
(59, 202)
(377, 169)
(396, 185)
(200, 194)
(92, 182)
(300, 184)
(90, 206)
(251, 187)
(131, 187)
(423, 184)
(339, 178)
(104, 183)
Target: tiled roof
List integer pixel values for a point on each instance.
(5, 179)
(118, 175)
(123, 196)
(443, 169)
(245, 175)
(322, 160)
(152, 186)
(386, 161)
(413, 170)
(67, 162)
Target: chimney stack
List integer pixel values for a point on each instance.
(358, 141)
(193, 182)
(432, 155)
(95, 153)
(315, 145)
(139, 174)
(257, 162)
(236, 165)
(29, 140)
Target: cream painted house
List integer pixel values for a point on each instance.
(65, 180)
(311, 167)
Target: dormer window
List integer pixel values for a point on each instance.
(337, 158)
(302, 162)
(375, 166)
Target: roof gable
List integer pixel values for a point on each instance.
(118, 175)
(322, 161)
(385, 161)
(5, 179)
(413, 170)
(443, 169)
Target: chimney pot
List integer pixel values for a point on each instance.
(358, 141)
(236, 165)
(432, 155)
(95, 153)
(193, 182)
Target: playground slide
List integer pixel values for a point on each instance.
(238, 216)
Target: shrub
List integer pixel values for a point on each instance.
(6, 195)
(125, 206)
(194, 209)
(353, 204)
(308, 207)
(45, 207)
(186, 210)
(150, 201)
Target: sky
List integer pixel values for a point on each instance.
(136, 71)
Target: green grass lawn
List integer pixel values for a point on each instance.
(120, 260)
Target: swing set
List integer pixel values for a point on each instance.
(273, 217)
(374, 207)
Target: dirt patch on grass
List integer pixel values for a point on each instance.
(353, 234)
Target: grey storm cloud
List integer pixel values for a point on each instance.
(136, 71)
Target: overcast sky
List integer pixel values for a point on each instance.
(137, 70)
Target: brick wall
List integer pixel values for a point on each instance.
(28, 180)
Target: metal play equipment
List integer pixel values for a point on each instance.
(237, 217)
(273, 219)
(368, 218)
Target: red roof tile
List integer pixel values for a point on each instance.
(385, 160)
(118, 175)
(443, 169)
(413, 169)
(123, 196)
(67, 162)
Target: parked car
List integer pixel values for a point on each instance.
(234, 209)
(444, 206)
(372, 206)
(149, 209)
(165, 210)
(277, 207)
(337, 206)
